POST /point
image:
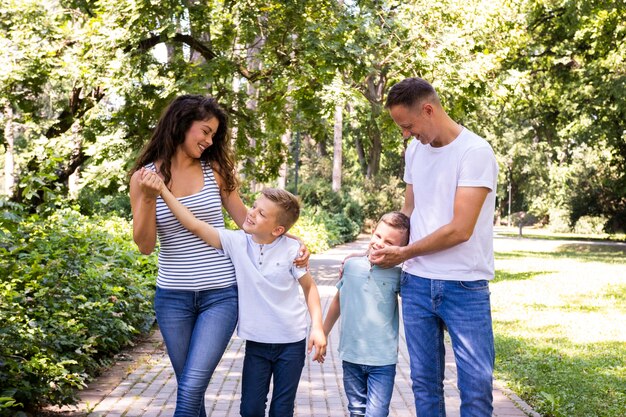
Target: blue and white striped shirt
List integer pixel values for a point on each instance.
(186, 262)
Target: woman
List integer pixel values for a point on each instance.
(196, 295)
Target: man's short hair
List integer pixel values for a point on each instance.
(288, 204)
(410, 92)
(397, 220)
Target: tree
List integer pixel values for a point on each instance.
(561, 84)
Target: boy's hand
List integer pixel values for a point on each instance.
(151, 184)
(317, 339)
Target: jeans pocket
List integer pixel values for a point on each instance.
(479, 285)
(404, 278)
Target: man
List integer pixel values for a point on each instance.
(451, 176)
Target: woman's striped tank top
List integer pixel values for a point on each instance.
(186, 262)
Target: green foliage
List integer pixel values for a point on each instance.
(557, 115)
(379, 196)
(338, 217)
(590, 225)
(73, 290)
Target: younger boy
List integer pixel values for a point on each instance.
(272, 319)
(368, 303)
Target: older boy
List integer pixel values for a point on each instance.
(368, 302)
(272, 319)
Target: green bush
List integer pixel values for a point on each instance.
(73, 291)
(320, 230)
(590, 225)
(559, 221)
(379, 196)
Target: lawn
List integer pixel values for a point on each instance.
(559, 311)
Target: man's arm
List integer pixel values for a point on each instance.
(409, 201)
(468, 202)
(312, 297)
(333, 313)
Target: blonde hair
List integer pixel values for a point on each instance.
(288, 203)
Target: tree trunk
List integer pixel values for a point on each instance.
(254, 63)
(337, 147)
(73, 180)
(373, 92)
(9, 161)
(373, 162)
(283, 172)
(360, 151)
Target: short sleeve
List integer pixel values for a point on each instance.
(298, 272)
(292, 247)
(478, 168)
(230, 240)
(408, 161)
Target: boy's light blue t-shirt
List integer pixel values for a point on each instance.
(369, 319)
(271, 309)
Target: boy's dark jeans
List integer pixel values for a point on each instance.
(283, 361)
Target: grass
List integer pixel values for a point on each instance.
(540, 233)
(559, 312)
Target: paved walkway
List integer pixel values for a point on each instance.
(145, 384)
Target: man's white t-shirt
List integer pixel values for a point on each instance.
(435, 173)
(271, 309)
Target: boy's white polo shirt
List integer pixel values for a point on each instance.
(271, 309)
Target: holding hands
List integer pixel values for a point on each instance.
(317, 338)
(150, 183)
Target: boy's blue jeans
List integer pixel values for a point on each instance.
(283, 362)
(464, 308)
(368, 388)
(196, 327)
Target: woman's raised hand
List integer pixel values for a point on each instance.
(150, 183)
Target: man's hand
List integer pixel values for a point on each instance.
(317, 339)
(388, 256)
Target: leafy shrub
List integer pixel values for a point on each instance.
(73, 290)
(559, 221)
(318, 193)
(590, 225)
(321, 230)
(379, 196)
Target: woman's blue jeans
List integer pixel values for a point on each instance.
(196, 327)
(465, 310)
(281, 361)
(368, 388)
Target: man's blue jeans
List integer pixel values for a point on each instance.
(283, 362)
(368, 388)
(464, 308)
(196, 327)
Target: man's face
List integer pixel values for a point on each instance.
(414, 121)
(385, 235)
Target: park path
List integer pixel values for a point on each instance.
(144, 385)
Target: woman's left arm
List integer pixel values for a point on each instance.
(302, 260)
(231, 201)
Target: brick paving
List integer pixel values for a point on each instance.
(146, 387)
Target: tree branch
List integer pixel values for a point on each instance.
(206, 52)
